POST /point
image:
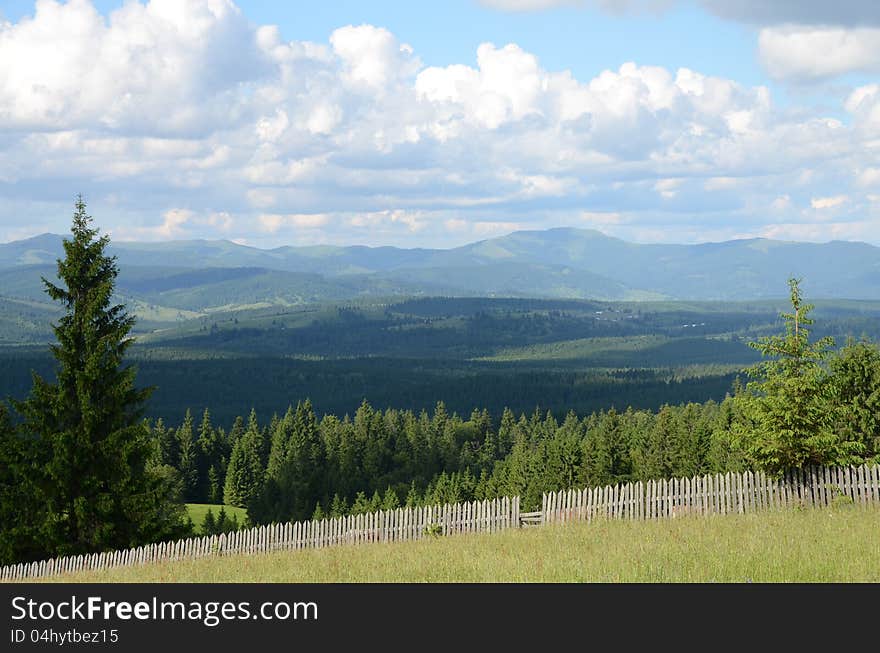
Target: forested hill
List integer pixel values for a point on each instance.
(556, 263)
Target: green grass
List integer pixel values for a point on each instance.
(579, 348)
(197, 512)
(829, 545)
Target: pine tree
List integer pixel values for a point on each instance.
(245, 474)
(361, 504)
(563, 455)
(295, 475)
(725, 453)
(376, 502)
(188, 458)
(167, 444)
(210, 450)
(506, 432)
(22, 516)
(338, 507)
(390, 501)
(223, 524)
(412, 497)
(215, 487)
(280, 443)
(235, 433)
(209, 524)
(788, 412)
(855, 389)
(91, 449)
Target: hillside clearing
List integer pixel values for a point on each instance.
(197, 512)
(827, 545)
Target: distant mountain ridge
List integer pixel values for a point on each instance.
(557, 263)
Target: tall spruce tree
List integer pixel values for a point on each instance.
(90, 450)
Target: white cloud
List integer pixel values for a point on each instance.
(828, 202)
(868, 178)
(272, 222)
(173, 222)
(157, 68)
(809, 53)
(271, 128)
(372, 56)
(800, 40)
(412, 220)
(781, 204)
(506, 86)
(667, 188)
(356, 140)
(864, 105)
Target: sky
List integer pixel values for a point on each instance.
(438, 124)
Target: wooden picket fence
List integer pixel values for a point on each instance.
(384, 526)
(715, 494)
(712, 494)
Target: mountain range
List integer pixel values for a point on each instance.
(199, 275)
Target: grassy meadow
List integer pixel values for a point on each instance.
(197, 512)
(814, 545)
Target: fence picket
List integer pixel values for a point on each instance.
(875, 482)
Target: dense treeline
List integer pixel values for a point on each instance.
(287, 468)
(296, 465)
(231, 387)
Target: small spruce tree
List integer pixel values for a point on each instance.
(209, 523)
(338, 506)
(390, 501)
(787, 407)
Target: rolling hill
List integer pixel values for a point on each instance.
(202, 275)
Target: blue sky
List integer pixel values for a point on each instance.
(583, 39)
(433, 125)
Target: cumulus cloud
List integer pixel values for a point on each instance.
(810, 53)
(372, 56)
(863, 103)
(174, 104)
(828, 202)
(162, 68)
